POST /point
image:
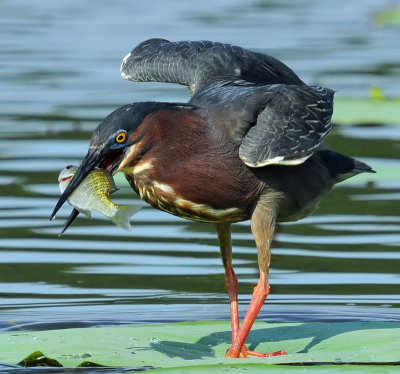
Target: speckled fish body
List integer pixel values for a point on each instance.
(93, 194)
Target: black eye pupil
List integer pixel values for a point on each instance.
(120, 137)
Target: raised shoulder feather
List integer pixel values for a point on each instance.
(197, 64)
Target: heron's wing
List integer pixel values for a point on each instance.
(197, 64)
(293, 123)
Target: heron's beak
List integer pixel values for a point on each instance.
(92, 159)
(70, 219)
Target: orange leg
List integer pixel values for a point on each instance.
(262, 226)
(238, 348)
(225, 245)
(232, 288)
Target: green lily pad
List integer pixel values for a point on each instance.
(353, 111)
(389, 16)
(201, 346)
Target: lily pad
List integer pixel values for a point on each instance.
(389, 16)
(366, 111)
(200, 346)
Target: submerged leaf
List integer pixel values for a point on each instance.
(37, 358)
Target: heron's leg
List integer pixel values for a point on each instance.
(262, 226)
(225, 246)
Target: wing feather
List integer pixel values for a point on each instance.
(290, 127)
(197, 64)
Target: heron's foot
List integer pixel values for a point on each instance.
(245, 352)
(259, 354)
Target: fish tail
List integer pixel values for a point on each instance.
(124, 213)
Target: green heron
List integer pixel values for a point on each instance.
(248, 145)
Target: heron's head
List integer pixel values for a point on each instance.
(110, 142)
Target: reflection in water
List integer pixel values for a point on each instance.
(61, 78)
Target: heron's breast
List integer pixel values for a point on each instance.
(163, 196)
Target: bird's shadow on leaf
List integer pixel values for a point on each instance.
(313, 333)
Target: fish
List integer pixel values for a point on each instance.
(93, 194)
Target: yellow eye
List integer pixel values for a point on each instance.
(120, 137)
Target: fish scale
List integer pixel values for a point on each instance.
(93, 194)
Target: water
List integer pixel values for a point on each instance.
(59, 74)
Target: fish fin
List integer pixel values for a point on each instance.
(87, 212)
(124, 213)
(70, 219)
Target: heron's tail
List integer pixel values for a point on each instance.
(343, 167)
